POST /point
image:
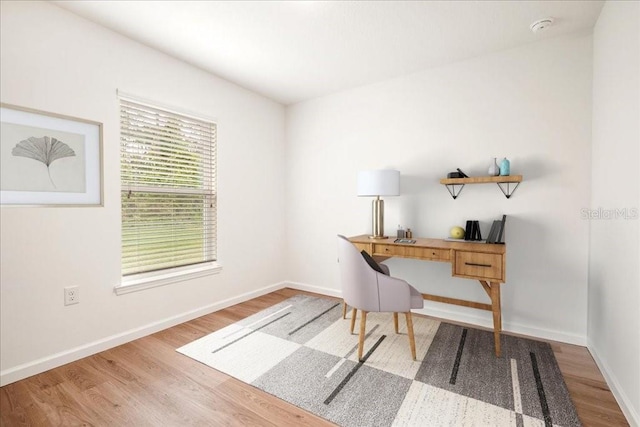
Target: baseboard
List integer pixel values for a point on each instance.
(20, 372)
(438, 310)
(315, 289)
(621, 397)
(26, 370)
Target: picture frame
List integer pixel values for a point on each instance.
(49, 159)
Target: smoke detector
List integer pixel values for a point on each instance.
(541, 24)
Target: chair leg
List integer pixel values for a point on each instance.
(412, 341)
(344, 309)
(395, 321)
(353, 319)
(363, 322)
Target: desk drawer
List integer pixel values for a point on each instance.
(434, 254)
(388, 250)
(363, 247)
(478, 265)
(409, 251)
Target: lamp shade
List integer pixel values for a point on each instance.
(384, 182)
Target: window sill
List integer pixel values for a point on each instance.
(143, 281)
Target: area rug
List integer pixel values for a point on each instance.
(301, 350)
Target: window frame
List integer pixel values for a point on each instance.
(145, 280)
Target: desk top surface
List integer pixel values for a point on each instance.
(435, 243)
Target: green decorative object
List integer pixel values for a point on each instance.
(457, 232)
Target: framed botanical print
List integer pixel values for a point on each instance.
(49, 159)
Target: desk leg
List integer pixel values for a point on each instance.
(497, 315)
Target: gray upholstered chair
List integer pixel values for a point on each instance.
(385, 270)
(367, 290)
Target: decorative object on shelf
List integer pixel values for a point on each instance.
(377, 183)
(458, 174)
(408, 234)
(494, 169)
(456, 232)
(49, 159)
(400, 234)
(505, 167)
(455, 185)
(464, 175)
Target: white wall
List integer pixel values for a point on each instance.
(55, 61)
(531, 104)
(614, 269)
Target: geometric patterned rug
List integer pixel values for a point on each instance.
(301, 351)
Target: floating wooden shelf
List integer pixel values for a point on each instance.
(502, 181)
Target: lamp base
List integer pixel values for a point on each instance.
(377, 215)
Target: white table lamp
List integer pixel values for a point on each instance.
(376, 183)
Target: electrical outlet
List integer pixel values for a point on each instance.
(71, 295)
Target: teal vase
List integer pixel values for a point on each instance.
(505, 167)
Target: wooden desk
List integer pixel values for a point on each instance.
(483, 262)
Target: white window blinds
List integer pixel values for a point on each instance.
(168, 174)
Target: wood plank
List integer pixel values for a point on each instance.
(481, 179)
(455, 301)
(486, 287)
(17, 407)
(430, 243)
(58, 402)
(146, 382)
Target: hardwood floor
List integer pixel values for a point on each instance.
(147, 383)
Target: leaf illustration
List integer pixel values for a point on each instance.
(46, 150)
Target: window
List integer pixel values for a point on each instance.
(168, 174)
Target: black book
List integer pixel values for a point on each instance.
(501, 233)
(462, 174)
(468, 230)
(493, 233)
(475, 231)
(478, 234)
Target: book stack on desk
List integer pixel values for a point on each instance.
(472, 232)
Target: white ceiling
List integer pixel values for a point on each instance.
(291, 51)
